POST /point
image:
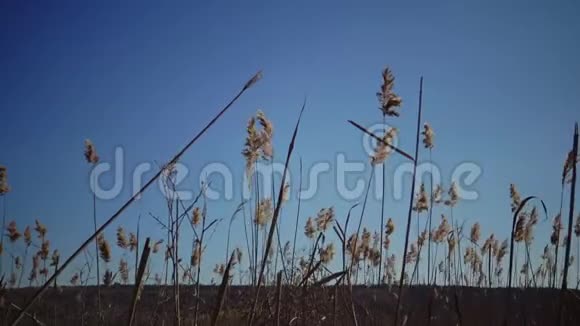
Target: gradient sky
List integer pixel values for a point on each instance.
(501, 90)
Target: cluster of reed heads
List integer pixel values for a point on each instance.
(439, 253)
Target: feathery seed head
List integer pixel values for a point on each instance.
(196, 216)
(309, 228)
(264, 213)
(90, 152)
(196, 254)
(54, 259)
(13, 233)
(156, 246)
(390, 227)
(382, 150)
(104, 248)
(389, 101)
(265, 135)
(475, 233)
(40, 229)
(133, 242)
(122, 241)
(556, 228)
(27, 236)
(324, 219)
(437, 195)
(515, 197)
(4, 186)
(422, 200)
(124, 271)
(453, 195)
(428, 136)
(253, 80)
(327, 253)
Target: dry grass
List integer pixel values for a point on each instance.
(456, 259)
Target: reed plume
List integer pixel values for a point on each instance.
(196, 253)
(156, 246)
(428, 136)
(382, 150)
(258, 143)
(196, 216)
(324, 219)
(90, 152)
(133, 242)
(124, 271)
(422, 200)
(515, 197)
(264, 212)
(27, 236)
(104, 248)
(309, 228)
(4, 186)
(437, 195)
(389, 101)
(475, 233)
(13, 234)
(122, 241)
(453, 195)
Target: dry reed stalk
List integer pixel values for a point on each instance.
(516, 212)
(571, 211)
(223, 289)
(111, 219)
(32, 318)
(363, 129)
(292, 269)
(390, 102)
(92, 158)
(354, 249)
(410, 211)
(278, 297)
(137, 288)
(275, 216)
(570, 225)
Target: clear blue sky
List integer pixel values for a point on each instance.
(501, 90)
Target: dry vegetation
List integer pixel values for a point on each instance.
(458, 275)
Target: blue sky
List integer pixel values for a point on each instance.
(500, 90)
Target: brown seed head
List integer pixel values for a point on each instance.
(104, 248)
(389, 101)
(264, 213)
(196, 216)
(475, 233)
(382, 150)
(428, 136)
(27, 236)
(13, 233)
(422, 200)
(515, 197)
(40, 229)
(122, 241)
(324, 219)
(390, 227)
(133, 242)
(55, 258)
(453, 195)
(4, 186)
(309, 228)
(327, 253)
(90, 152)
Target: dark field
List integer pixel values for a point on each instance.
(374, 306)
